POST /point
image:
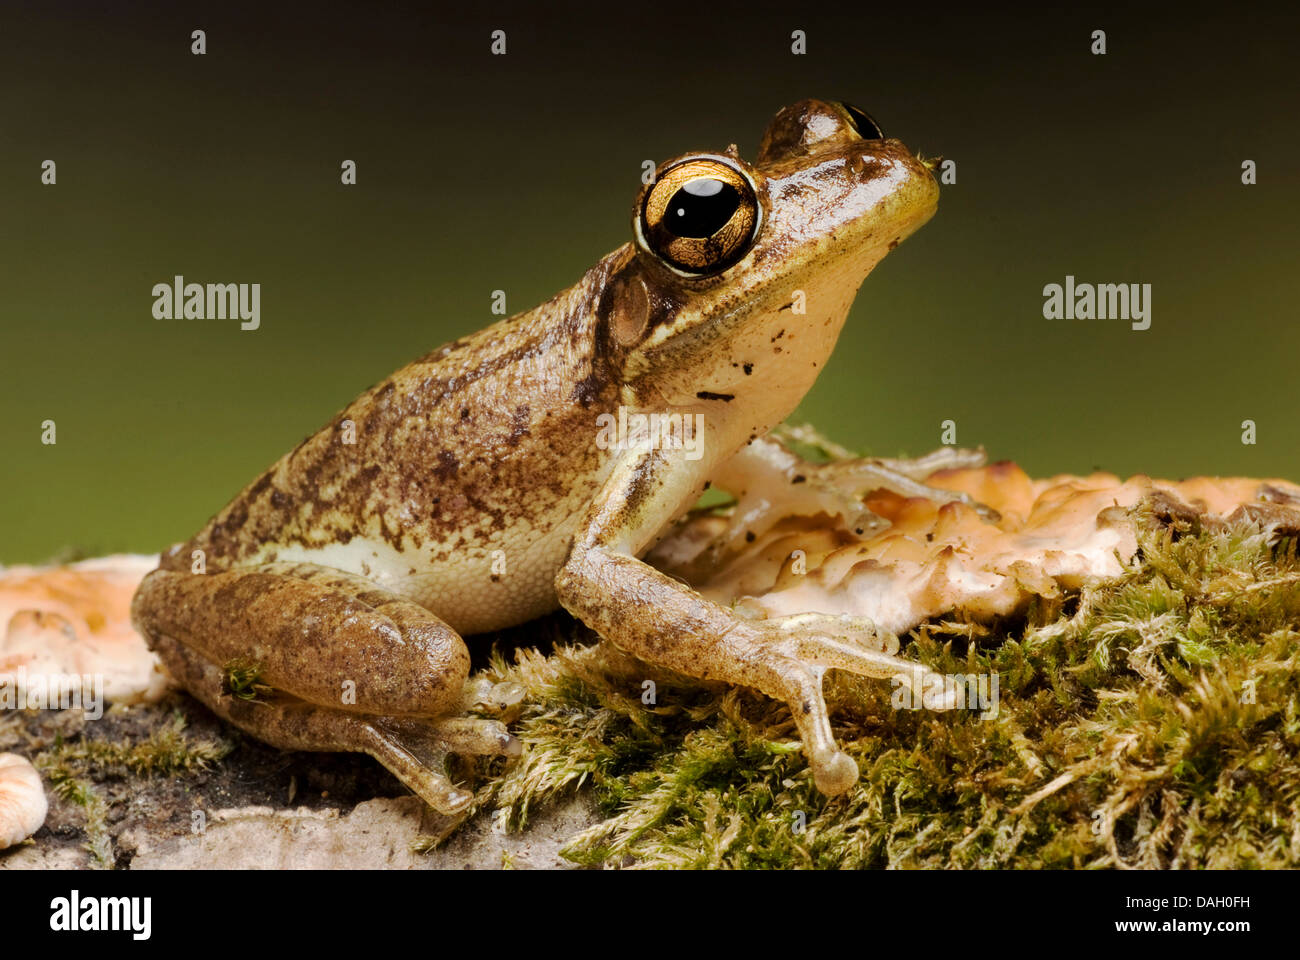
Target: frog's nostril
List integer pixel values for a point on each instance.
(866, 127)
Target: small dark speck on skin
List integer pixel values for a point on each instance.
(748, 368)
(749, 536)
(893, 243)
(709, 395)
(464, 413)
(799, 478)
(787, 306)
(448, 466)
(806, 707)
(780, 333)
(929, 538)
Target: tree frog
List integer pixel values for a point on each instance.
(479, 487)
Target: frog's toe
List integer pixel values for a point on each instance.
(834, 771)
(443, 795)
(829, 651)
(824, 492)
(797, 652)
(944, 458)
(414, 750)
(836, 775)
(864, 523)
(507, 695)
(474, 736)
(415, 758)
(986, 512)
(858, 632)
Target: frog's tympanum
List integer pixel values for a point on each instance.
(533, 464)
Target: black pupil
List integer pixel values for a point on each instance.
(866, 127)
(701, 208)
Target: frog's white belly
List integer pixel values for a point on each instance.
(472, 591)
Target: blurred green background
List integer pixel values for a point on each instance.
(478, 172)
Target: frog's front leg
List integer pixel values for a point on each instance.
(332, 663)
(663, 621)
(770, 482)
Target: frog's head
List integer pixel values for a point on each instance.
(742, 274)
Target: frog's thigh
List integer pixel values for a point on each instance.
(351, 667)
(327, 637)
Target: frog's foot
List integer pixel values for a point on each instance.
(904, 477)
(505, 701)
(771, 482)
(307, 658)
(792, 654)
(413, 750)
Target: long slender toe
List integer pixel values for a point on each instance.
(475, 736)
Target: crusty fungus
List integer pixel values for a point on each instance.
(22, 800)
(937, 559)
(76, 619)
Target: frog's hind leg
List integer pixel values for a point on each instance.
(308, 658)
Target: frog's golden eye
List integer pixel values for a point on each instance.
(700, 215)
(866, 127)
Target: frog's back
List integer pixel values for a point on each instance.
(457, 482)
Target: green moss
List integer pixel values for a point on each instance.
(1149, 721)
(243, 681)
(87, 796)
(75, 768)
(166, 751)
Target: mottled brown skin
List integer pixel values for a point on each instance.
(475, 495)
(513, 407)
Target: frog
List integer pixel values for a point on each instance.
(471, 491)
